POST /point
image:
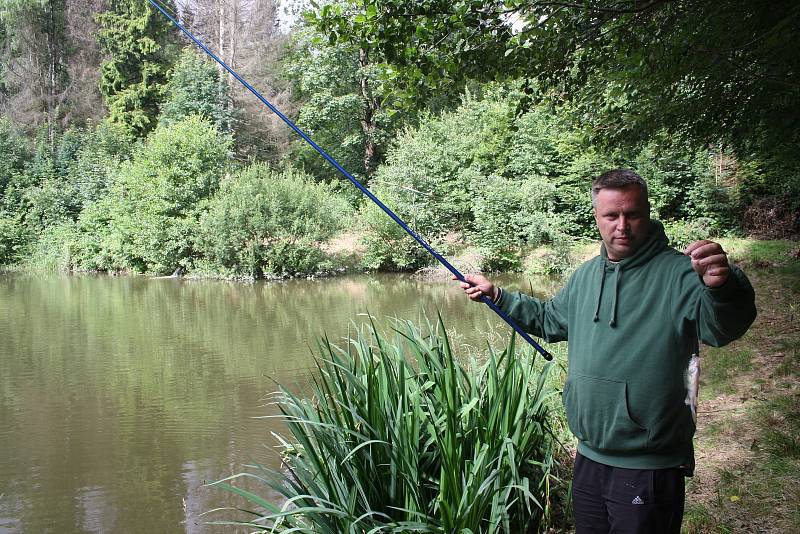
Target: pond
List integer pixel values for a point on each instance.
(121, 397)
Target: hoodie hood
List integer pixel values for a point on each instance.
(655, 242)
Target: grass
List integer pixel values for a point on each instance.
(749, 439)
(401, 436)
(719, 368)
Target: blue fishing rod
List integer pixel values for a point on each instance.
(441, 259)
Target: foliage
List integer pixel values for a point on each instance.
(268, 223)
(326, 78)
(14, 152)
(400, 436)
(632, 67)
(97, 160)
(432, 174)
(387, 245)
(411, 44)
(346, 108)
(683, 232)
(506, 182)
(510, 217)
(12, 238)
(41, 195)
(194, 87)
(135, 39)
(156, 199)
(547, 146)
(53, 247)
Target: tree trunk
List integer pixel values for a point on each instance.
(368, 124)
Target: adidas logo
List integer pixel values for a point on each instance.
(637, 500)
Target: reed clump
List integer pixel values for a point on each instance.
(401, 436)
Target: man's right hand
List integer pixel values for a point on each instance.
(477, 286)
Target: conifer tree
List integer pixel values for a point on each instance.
(140, 51)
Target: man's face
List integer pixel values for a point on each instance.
(623, 218)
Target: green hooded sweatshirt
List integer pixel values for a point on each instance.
(632, 327)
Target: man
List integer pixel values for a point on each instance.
(633, 316)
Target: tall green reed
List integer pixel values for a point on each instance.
(401, 436)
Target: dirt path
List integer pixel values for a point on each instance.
(747, 446)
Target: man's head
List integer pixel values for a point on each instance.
(622, 211)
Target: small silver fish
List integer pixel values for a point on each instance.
(693, 384)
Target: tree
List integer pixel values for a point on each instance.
(140, 51)
(326, 82)
(714, 70)
(195, 88)
(245, 34)
(343, 32)
(49, 63)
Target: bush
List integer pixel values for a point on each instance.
(683, 232)
(53, 249)
(510, 217)
(98, 160)
(434, 170)
(12, 238)
(156, 199)
(14, 152)
(547, 149)
(387, 245)
(265, 223)
(401, 437)
(194, 88)
(431, 178)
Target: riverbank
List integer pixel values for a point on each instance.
(748, 436)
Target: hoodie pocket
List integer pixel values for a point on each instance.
(598, 415)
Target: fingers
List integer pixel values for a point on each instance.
(703, 248)
(693, 246)
(709, 261)
(476, 286)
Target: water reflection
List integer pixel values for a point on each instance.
(121, 397)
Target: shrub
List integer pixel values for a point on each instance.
(194, 88)
(387, 245)
(98, 160)
(12, 238)
(434, 169)
(402, 437)
(53, 249)
(432, 176)
(266, 223)
(546, 148)
(511, 216)
(14, 152)
(683, 232)
(157, 197)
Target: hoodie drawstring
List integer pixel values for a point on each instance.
(600, 294)
(617, 275)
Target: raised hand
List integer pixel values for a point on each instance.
(709, 261)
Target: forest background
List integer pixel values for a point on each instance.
(122, 149)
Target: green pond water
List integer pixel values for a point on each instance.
(121, 397)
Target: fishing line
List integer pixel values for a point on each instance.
(441, 259)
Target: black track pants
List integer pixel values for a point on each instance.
(631, 501)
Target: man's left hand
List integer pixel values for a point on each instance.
(709, 261)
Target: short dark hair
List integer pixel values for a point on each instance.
(617, 179)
